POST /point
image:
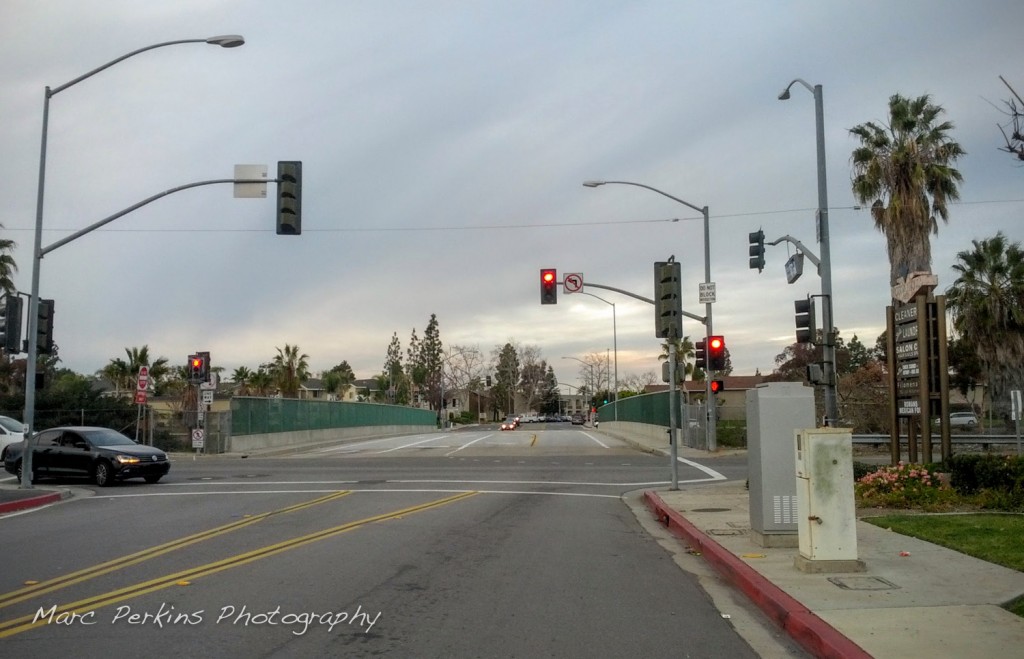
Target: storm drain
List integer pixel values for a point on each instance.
(727, 531)
(863, 583)
(710, 510)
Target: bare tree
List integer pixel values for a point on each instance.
(1015, 137)
(465, 367)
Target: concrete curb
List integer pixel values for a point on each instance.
(811, 632)
(31, 502)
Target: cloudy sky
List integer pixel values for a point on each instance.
(444, 145)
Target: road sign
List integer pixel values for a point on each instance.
(198, 438)
(573, 282)
(143, 382)
(207, 396)
(140, 397)
(706, 291)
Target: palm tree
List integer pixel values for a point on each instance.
(684, 352)
(7, 265)
(290, 370)
(261, 383)
(118, 372)
(904, 170)
(986, 303)
(241, 377)
(139, 357)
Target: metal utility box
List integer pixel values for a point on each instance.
(825, 502)
(774, 411)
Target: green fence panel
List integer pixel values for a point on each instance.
(646, 408)
(257, 416)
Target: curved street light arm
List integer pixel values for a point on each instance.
(594, 184)
(224, 41)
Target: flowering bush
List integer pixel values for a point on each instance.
(902, 486)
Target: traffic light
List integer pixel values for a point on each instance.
(548, 286)
(716, 353)
(195, 368)
(700, 355)
(717, 386)
(44, 327)
(289, 197)
(757, 250)
(805, 331)
(204, 369)
(10, 324)
(668, 296)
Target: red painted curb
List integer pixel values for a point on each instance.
(811, 632)
(30, 502)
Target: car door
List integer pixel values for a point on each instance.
(75, 455)
(45, 447)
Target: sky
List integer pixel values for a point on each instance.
(444, 145)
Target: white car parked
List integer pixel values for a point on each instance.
(11, 432)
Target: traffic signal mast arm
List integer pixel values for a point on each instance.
(800, 246)
(700, 319)
(92, 227)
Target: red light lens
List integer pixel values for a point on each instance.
(716, 343)
(549, 277)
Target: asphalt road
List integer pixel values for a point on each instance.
(466, 544)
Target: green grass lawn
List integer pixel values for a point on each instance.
(996, 538)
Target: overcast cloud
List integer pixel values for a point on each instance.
(444, 145)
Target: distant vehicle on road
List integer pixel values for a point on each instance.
(102, 454)
(577, 419)
(509, 423)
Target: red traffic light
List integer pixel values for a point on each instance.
(548, 286)
(717, 386)
(716, 352)
(197, 363)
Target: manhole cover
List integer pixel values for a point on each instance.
(710, 510)
(863, 583)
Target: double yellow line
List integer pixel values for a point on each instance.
(24, 623)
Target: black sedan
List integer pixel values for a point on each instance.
(102, 454)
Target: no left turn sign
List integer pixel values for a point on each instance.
(573, 282)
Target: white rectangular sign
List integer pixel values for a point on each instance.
(706, 292)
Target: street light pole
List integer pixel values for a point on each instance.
(615, 346)
(224, 41)
(825, 269)
(709, 396)
(593, 383)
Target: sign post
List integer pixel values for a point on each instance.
(141, 386)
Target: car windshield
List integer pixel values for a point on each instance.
(12, 424)
(107, 437)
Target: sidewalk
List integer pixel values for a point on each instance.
(915, 599)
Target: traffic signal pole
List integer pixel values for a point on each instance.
(33, 303)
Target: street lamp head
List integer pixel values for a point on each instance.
(784, 96)
(592, 184)
(227, 40)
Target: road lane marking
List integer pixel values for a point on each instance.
(399, 448)
(468, 444)
(84, 606)
(599, 442)
(113, 565)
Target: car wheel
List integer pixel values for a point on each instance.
(103, 474)
(153, 479)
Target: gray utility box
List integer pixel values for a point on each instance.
(774, 412)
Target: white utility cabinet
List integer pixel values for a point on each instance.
(826, 515)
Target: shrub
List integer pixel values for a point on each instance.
(970, 474)
(902, 486)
